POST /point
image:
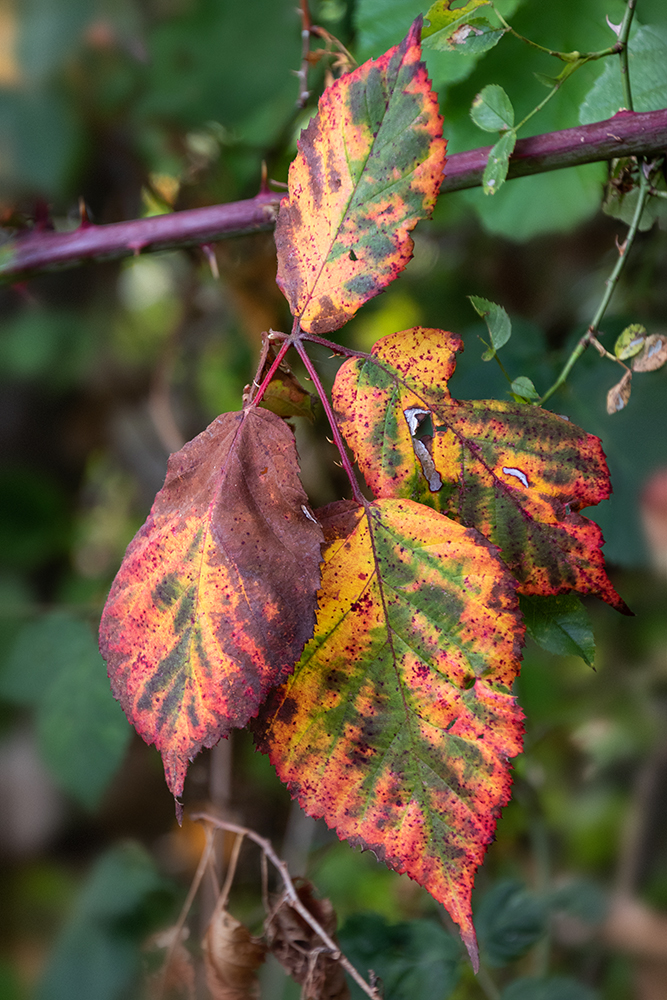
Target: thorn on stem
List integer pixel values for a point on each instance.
(84, 218)
(209, 253)
(264, 179)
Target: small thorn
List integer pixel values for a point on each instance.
(330, 440)
(264, 179)
(621, 247)
(209, 253)
(84, 218)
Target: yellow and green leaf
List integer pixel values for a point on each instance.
(518, 474)
(398, 721)
(369, 167)
(217, 593)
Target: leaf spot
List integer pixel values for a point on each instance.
(518, 474)
(420, 425)
(307, 513)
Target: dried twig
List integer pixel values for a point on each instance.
(292, 896)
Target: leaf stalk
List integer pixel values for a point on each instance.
(623, 37)
(610, 285)
(326, 405)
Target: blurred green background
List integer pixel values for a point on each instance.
(145, 106)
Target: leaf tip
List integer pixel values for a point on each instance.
(415, 32)
(469, 939)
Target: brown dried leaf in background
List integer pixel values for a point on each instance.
(176, 978)
(653, 355)
(619, 394)
(300, 950)
(231, 958)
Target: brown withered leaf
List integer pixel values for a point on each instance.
(299, 949)
(653, 354)
(231, 959)
(176, 978)
(619, 394)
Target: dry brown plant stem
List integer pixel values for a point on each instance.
(291, 894)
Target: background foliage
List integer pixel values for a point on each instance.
(144, 105)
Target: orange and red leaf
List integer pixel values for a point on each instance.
(216, 596)
(369, 167)
(398, 721)
(517, 473)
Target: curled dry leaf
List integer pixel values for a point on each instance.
(301, 952)
(619, 394)
(653, 354)
(231, 958)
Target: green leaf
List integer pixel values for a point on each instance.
(509, 921)
(553, 988)
(474, 38)
(560, 625)
(580, 898)
(623, 205)
(497, 320)
(497, 165)
(98, 952)
(523, 390)
(630, 342)
(413, 959)
(456, 31)
(492, 109)
(56, 667)
(381, 23)
(647, 66)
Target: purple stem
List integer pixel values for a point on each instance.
(39, 250)
(337, 436)
(626, 134)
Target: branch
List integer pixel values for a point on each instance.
(28, 253)
(24, 254)
(626, 134)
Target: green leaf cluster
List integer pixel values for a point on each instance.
(55, 667)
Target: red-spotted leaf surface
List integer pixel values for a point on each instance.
(517, 473)
(398, 721)
(217, 593)
(369, 167)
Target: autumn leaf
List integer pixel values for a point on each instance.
(517, 473)
(216, 595)
(369, 167)
(398, 721)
